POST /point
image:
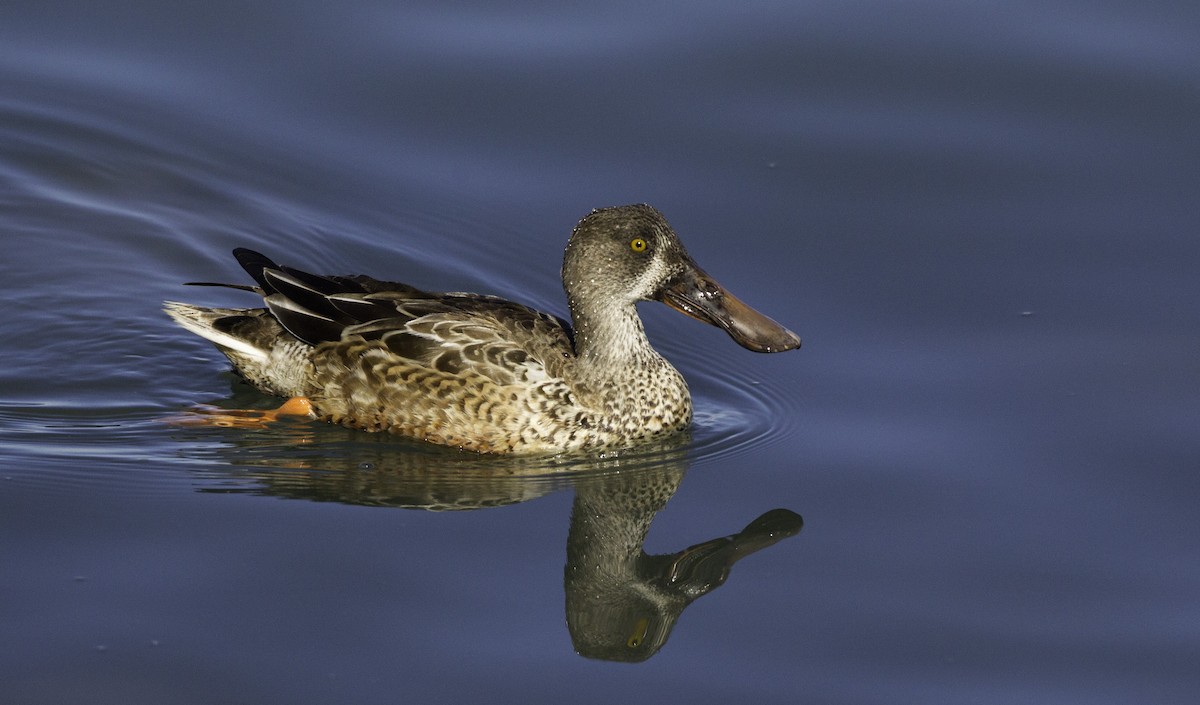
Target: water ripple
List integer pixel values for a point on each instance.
(68, 449)
(737, 409)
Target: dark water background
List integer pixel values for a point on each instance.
(981, 217)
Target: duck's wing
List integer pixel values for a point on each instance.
(502, 340)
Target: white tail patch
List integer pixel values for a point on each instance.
(199, 321)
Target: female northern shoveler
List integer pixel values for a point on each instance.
(478, 372)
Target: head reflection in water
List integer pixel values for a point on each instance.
(622, 602)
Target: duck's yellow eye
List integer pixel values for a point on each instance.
(639, 633)
(638, 245)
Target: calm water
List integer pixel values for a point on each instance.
(981, 217)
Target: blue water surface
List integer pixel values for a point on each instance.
(981, 218)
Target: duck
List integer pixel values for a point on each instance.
(478, 372)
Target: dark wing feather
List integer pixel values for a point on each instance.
(307, 290)
(376, 286)
(307, 325)
(361, 307)
(255, 263)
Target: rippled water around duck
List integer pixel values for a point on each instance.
(981, 220)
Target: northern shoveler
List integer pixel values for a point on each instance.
(479, 372)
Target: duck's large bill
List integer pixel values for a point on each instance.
(696, 294)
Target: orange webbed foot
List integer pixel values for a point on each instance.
(243, 418)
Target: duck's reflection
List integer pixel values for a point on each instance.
(621, 602)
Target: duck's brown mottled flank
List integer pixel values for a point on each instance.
(478, 372)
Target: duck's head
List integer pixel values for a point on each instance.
(621, 255)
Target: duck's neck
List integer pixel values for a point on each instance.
(610, 336)
(631, 391)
